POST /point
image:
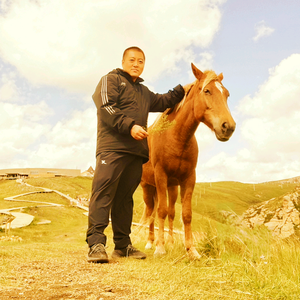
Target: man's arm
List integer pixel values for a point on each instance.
(105, 98)
(160, 102)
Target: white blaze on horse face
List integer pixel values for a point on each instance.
(219, 86)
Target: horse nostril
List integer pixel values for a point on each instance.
(224, 127)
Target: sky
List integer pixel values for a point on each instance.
(53, 54)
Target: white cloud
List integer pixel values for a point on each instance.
(203, 62)
(262, 30)
(77, 156)
(8, 88)
(71, 43)
(278, 97)
(81, 126)
(25, 142)
(20, 129)
(223, 167)
(70, 143)
(270, 129)
(27, 139)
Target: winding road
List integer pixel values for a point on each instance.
(22, 219)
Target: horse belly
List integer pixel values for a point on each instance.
(173, 181)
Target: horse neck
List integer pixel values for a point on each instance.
(185, 122)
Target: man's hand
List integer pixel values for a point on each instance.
(138, 133)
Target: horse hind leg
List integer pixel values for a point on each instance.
(172, 193)
(149, 195)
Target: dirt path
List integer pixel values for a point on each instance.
(70, 277)
(21, 219)
(67, 276)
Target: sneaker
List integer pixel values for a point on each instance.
(97, 254)
(129, 251)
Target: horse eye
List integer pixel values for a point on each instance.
(206, 91)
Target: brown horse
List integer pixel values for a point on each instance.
(173, 153)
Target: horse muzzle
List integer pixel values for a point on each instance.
(225, 131)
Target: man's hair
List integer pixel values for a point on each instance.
(134, 48)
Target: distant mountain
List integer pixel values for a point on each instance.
(290, 180)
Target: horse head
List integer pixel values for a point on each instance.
(210, 103)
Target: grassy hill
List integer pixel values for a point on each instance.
(210, 198)
(237, 263)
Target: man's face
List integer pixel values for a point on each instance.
(133, 63)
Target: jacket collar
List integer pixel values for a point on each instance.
(125, 74)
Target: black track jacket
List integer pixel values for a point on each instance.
(121, 103)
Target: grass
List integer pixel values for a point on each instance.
(236, 263)
(74, 187)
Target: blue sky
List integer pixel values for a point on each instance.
(53, 53)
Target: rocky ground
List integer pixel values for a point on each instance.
(281, 216)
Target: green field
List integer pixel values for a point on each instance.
(236, 263)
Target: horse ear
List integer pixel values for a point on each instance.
(220, 76)
(198, 74)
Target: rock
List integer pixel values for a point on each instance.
(280, 215)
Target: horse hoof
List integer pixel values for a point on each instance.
(149, 245)
(159, 252)
(193, 254)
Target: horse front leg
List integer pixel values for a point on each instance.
(186, 195)
(149, 195)
(162, 209)
(172, 193)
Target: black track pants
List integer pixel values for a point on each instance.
(117, 175)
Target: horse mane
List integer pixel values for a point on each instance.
(177, 106)
(209, 76)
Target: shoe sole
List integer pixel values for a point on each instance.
(135, 257)
(98, 260)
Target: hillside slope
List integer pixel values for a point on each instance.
(49, 261)
(210, 199)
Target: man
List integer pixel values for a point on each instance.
(123, 104)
